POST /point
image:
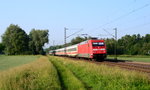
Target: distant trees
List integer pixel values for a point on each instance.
(110, 43)
(37, 40)
(2, 47)
(130, 45)
(17, 42)
(77, 40)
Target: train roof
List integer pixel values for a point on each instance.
(72, 46)
(75, 45)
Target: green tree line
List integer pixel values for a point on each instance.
(130, 45)
(126, 45)
(15, 41)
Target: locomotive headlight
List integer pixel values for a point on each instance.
(99, 49)
(102, 49)
(95, 49)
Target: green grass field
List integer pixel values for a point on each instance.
(37, 75)
(98, 77)
(68, 80)
(131, 58)
(57, 73)
(7, 62)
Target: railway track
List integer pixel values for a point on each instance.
(145, 68)
(128, 65)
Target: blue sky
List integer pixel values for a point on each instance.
(89, 15)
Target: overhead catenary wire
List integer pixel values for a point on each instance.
(121, 17)
(75, 33)
(137, 19)
(108, 32)
(144, 24)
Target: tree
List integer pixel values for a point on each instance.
(145, 49)
(15, 40)
(2, 47)
(147, 38)
(110, 44)
(129, 44)
(37, 40)
(77, 40)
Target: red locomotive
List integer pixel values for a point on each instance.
(92, 49)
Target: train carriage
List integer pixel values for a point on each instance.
(92, 49)
(72, 50)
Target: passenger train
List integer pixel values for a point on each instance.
(90, 49)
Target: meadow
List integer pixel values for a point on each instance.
(99, 77)
(7, 62)
(37, 75)
(58, 73)
(137, 58)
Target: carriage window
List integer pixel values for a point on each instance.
(98, 44)
(72, 49)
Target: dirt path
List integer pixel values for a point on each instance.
(68, 80)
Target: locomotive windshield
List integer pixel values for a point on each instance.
(98, 44)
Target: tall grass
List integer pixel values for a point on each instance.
(101, 77)
(38, 75)
(68, 80)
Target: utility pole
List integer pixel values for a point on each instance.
(53, 42)
(115, 37)
(115, 51)
(65, 39)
